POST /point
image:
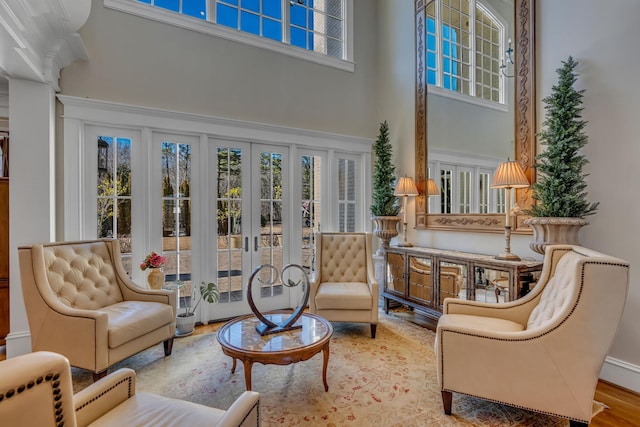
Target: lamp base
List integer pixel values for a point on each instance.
(405, 244)
(508, 256)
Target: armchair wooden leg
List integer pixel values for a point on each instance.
(573, 423)
(168, 346)
(99, 375)
(373, 330)
(447, 399)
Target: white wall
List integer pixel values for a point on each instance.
(137, 61)
(603, 37)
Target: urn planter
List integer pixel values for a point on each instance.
(554, 231)
(386, 228)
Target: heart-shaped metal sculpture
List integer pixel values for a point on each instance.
(267, 326)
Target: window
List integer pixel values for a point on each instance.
(319, 26)
(465, 42)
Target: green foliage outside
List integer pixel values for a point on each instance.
(560, 187)
(384, 202)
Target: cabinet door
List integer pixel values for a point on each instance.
(420, 286)
(453, 280)
(492, 285)
(395, 274)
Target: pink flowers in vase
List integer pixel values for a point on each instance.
(153, 260)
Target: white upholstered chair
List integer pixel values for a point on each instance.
(542, 352)
(343, 286)
(36, 390)
(80, 303)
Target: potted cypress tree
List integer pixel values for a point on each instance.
(384, 207)
(560, 200)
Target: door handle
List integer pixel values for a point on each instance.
(246, 244)
(255, 243)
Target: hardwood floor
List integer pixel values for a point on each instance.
(624, 405)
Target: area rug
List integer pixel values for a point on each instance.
(387, 381)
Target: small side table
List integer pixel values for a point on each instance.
(240, 341)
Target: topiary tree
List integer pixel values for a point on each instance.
(384, 202)
(560, 187)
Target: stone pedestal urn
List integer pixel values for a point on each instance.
(554, 231)
(386, 228)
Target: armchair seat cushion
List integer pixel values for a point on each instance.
(343, 296)
(145, 409)
(129, 320)
(478, 323)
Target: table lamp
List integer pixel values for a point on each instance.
(509, 175)
(405, 188)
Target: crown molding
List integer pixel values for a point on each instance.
(40, 38)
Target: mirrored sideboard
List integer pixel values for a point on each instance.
(422, 278)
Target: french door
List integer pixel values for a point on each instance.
(250, 194)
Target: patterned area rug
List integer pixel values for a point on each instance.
(389, 381)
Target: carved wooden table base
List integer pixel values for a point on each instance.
(240, 341)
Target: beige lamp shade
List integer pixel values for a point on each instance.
(509, 174)
(432, 188)
(405, 187)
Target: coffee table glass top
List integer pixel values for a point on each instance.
(241, 333)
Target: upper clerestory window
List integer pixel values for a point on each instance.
(316, 30)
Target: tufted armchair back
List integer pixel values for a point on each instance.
(81, 275)
(558, 293)
(561, 331)
(343, 287)
(344, 258)
(81, 303)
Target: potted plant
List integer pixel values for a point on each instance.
(384, 207)
(186, 321)
(560, 200)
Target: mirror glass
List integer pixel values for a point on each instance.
(478, 110)
(420, 278)
(470, 113)
(395, 273)
(453, 279)
(491, 285)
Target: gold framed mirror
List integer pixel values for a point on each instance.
(524, 125)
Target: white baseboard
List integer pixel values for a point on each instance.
(18, 343)
(621, 373)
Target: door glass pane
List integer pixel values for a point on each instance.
(176, 214)
(271, 209)
(114, 193)
(229, 223)
(310, 210)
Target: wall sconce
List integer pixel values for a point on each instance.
(405, 188)
(509, 61)
(509, 175)
(103, 148)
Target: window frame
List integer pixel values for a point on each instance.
(158, 14)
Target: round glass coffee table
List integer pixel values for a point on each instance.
(240, 341)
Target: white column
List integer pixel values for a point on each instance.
(31, 189)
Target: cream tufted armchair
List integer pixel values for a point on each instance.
(81, 303)
(36, 390)
(343, 286)
(544, 351)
